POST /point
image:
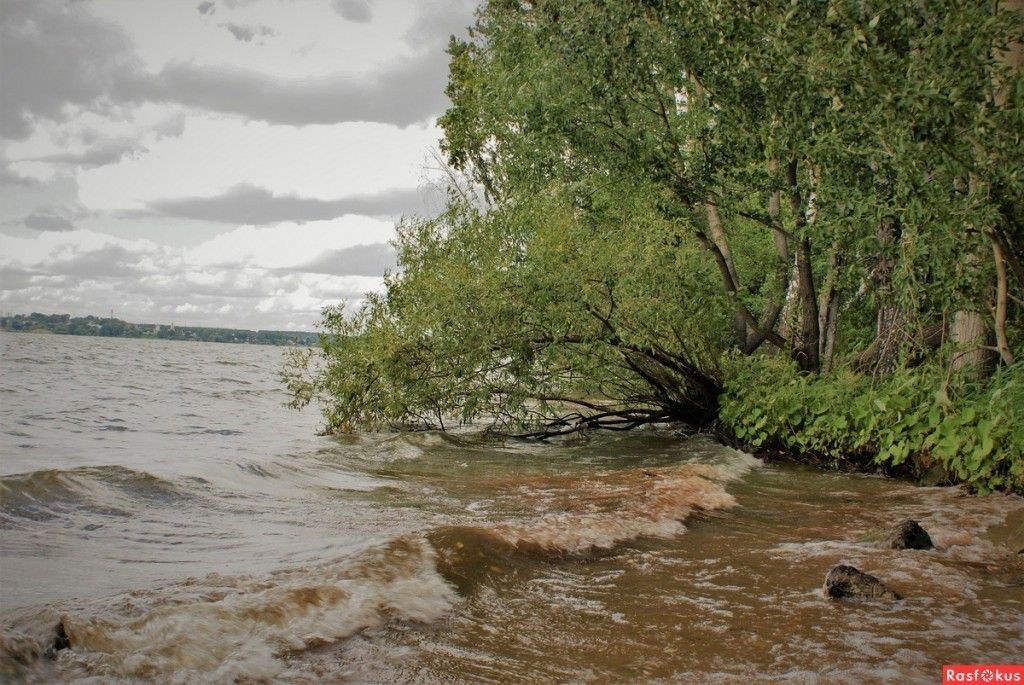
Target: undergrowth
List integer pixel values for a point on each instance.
(914, 421)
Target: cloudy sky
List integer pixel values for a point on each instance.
(213, 162)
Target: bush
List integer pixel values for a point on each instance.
(912, 421)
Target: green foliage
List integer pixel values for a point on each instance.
(914, 420)
(656, 174)
(513, 315)
(891, 111)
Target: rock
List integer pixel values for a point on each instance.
(935, 475)
(908, 535)
(848, 582)
(60, 641)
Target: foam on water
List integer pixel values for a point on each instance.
(608, 510)
(224, 628)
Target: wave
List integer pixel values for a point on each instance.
(232, 362)
(582, 516)
(605, 511)
(224, 628)
(199, 430)
(231, 628)
(110, 490)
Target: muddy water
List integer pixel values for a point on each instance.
(161, 505)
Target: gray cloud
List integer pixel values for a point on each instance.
(49, 285)
(246, 34)
(53, 55)
(43, 203)
(247, 204)
(48, 220)
(438, 21)
(144, 283)
(406, 94)
(106, 152)
(206, 7)
(9, 178)
(360, 260)
(241, 33)
(14, 277)
(171, 127)
(109, 261)
(353, 10)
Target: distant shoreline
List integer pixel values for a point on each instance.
(105, 327)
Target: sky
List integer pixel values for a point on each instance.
(234, 163)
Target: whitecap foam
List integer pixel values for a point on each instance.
(224, 628)
(607, 510)
(730, 464)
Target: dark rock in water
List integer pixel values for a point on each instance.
(846, 581)
(908, 535)
(60, 641)
(935, 475)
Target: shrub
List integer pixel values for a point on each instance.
(911, 421)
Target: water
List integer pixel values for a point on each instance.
(160, 503)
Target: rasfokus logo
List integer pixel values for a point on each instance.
(983, 673)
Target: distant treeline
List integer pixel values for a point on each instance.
(65, 324)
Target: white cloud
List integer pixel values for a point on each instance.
(93, 139)
(214, 154)
(136, 134)
(244, 278)
(288, 245)
(157, 27)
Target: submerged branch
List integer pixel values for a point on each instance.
(621, 420)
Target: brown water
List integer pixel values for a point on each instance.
(161, 504)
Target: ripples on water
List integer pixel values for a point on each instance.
(159, 502)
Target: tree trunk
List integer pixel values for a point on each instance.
(1002, 343)
(778, 234)
(970, 331)
(829, 328)
(774, 309)
(971, 334)
(890, 333)
(718, 235)
(789, 326)
(1013, 57)
(891, 318)
(804, 346)
(828, 311)
(807, 358)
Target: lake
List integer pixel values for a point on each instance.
(164, 507)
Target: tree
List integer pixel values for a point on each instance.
(530, 317)
(672, 183)
(852, 111)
